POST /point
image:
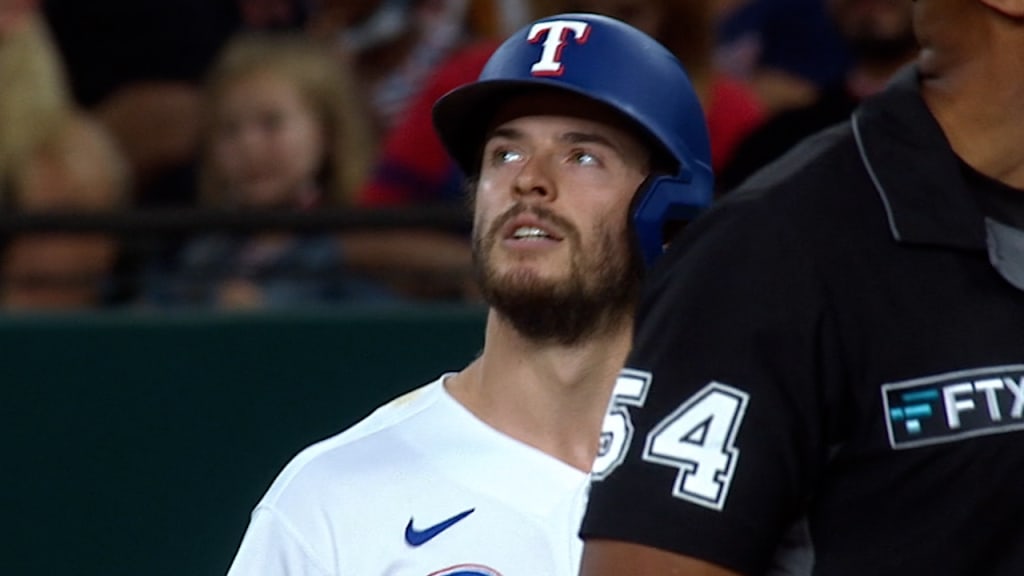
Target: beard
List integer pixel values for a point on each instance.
(601, 288)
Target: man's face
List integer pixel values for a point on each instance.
(876, 29)
(551, 237)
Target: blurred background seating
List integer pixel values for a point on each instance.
(145, 88)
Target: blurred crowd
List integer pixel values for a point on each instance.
(119, 106)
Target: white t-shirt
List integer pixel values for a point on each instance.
(420, 487)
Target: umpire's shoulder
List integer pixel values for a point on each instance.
(816, 167)
(821, 179)
(788, 209)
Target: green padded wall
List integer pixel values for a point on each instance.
(137, 444)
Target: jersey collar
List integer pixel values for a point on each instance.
(914, 169)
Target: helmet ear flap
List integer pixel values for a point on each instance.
(662, 200)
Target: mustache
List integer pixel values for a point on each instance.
(564, 226)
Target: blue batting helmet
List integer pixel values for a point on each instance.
(610, 62)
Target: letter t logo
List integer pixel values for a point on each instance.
(555, 39)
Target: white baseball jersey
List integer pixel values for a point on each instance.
(420, 487)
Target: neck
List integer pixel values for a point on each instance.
(550, 396)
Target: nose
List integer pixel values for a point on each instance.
(534, 181)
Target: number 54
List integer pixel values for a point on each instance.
(697, 438)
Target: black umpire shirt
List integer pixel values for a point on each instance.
(838, 346)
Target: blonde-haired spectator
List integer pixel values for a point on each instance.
(289, 62)
(285, 130)
(54, 157)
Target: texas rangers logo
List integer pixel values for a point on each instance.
(954, 406)
(555, 35)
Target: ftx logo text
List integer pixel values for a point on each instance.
(953, 406)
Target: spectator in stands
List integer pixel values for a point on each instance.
(54, 157)
(286, 131)
(394, 45)
(786, 50)
(880, 37)
(413, 168)
(687, 28)
(138, 65)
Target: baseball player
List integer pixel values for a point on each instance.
(579, 131)
(828, 370)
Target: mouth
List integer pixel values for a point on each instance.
(530, 233)
(529, 228)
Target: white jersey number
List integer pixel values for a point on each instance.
(617, 430)
(698, 439)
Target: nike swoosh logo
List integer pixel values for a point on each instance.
(420, 537)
